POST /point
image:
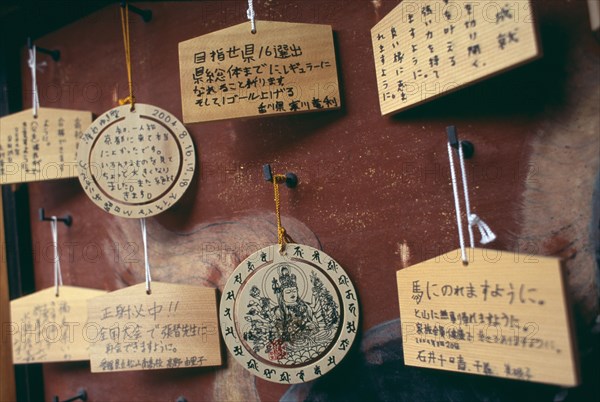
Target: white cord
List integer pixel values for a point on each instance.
(33, 67)
(146, 263)
(461, 237)
(57, 272)
(487, 235)
(463, 173)
(251, 15)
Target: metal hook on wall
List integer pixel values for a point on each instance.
(81, 395)
(68, 219)
(467, 147)
(55, 54)
(291, 180)
(145, 14)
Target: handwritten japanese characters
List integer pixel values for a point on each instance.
(42, 148)
(173, 327)
(424, 49)
(46, 328)
(289, 318)
(283, 68)
(137, 163)
(503, 315)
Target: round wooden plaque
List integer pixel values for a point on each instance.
(136, 163)
(289, 317)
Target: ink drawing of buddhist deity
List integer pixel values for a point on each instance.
(292, 315)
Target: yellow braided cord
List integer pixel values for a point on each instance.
(127, 45)
(281, 235)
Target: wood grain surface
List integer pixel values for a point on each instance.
(505, 315)
(282, 68)
(172, 326)
(375, 190)
(41, 148)
(136, 162)
(423, 50)
(47, 327)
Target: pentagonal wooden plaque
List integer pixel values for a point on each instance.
(42, 148)
(175, 326)
(425, 49)
(49, 328)
(504, 315)
(282, 68)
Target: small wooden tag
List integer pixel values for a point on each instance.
(428, 48)
(283, 68)
(136, 163)
(42, 148)
(503, 315)
(289, 317)
(173, 327)
(46, 328)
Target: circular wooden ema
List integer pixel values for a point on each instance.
(289, 317)
(136, 163)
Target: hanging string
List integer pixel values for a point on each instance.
(127, 45)
(461, 238)
(251, 15)
(487, 235)
(57, 271)
(282, 237)
(146, 263)
(33, 67)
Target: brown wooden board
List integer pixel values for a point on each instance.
(50, 328)
(42, 148)
(505, 315)
(282, 68)
(375, 190)
(424, 49)
(175, 326)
